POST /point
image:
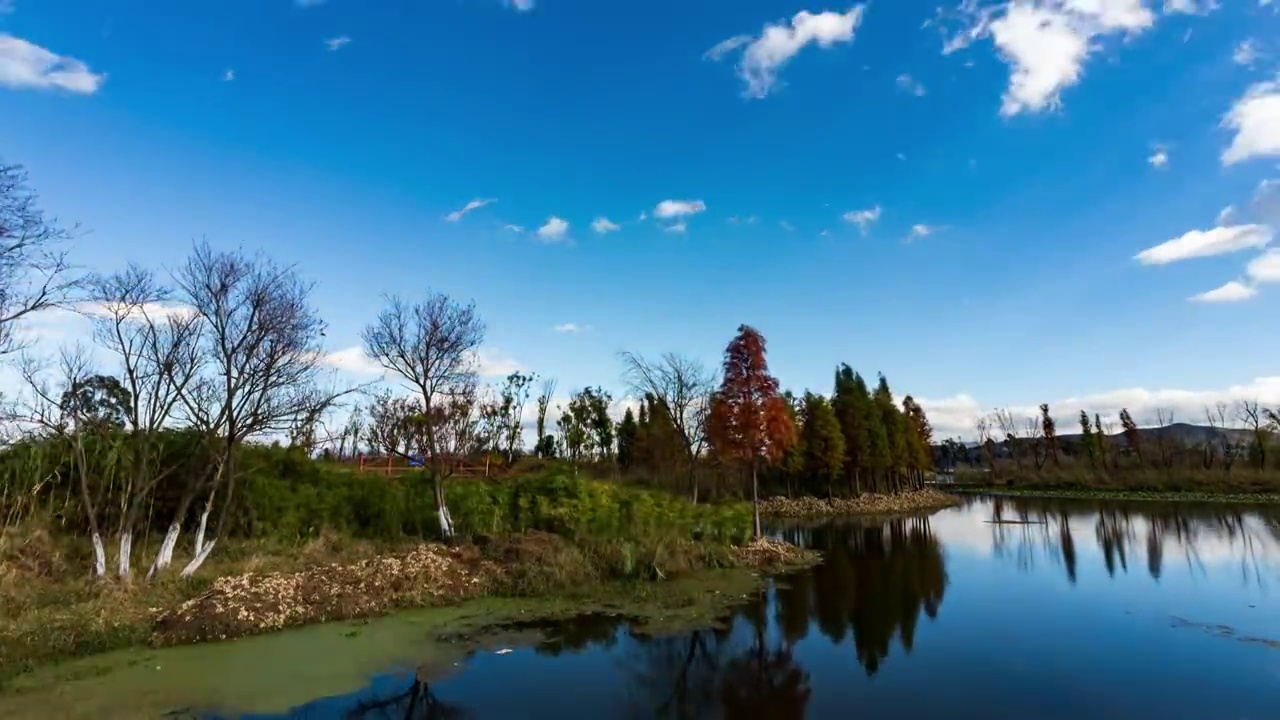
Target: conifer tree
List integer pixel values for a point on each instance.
(749, 420)
(1086, 438)
(627, 432)
(822, 442)
(920, 438)
(1050, 430)
(849, 402)
(1131, 434)
(895, 430)
(879, 459)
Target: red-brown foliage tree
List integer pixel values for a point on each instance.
(749, 420)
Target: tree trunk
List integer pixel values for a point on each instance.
(442, 510)
(755, 501)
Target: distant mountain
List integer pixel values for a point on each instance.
(1183, 434)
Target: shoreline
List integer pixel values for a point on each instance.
(544, 575)
(1122, 494)
(916, 501)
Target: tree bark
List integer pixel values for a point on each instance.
(755, 501)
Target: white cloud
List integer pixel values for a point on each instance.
(571, 328)
(921, 230)
(520, 5)
(1266, 202)
(1227, 216)
(602, 225)
(1231, 292)
(764, 57)
(1246, 53)
(956, 415)
(910, 85)
(1189, 7)
(749, 220)
(1159, 159)
(309, 3)
(679, 227)
(1046, 43)
(668, 209)
(554, 229)
(1256, 119)
(155, 311)
(1206, 243)
(476, 204)
(488, 363)
(1265, 268)
(26, 66)
(337, 43)
(864, 219)
(229, 75)
(355, 361)
(786, 226)
(513, 228)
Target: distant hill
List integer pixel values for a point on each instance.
(1183, 434)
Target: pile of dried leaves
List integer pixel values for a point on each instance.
(868, 504)
(251, 603)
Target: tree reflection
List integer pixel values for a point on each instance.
(1251, 540)
(416, 702)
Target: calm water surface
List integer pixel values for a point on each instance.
(1013, 608)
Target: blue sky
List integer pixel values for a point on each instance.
(1010, 162)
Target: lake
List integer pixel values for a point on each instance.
(1001, 608)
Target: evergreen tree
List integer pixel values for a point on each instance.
(849, 402)
(1086, 438)
(879, 459)
(822, 442)
(895, 429)
(1050, 429)
(920, 438)
(627, 432)
(1131, 434)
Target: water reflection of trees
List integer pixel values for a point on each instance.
(415, 702)
(1021, 528)
(873, 585)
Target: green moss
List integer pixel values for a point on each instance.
(270, 673)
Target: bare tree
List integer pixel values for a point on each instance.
(1164, 436)
(56, 408)
(1009, 428)
(157, 346)
(1255, 420)
(1034, 432)
(34, 272)
(682, 388)
(261, 337)
(983, 427)
(432, 346)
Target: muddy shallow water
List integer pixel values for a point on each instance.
(1008, 608)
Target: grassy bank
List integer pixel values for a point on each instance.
(1128, 478)
(550, 536)
(867, 504)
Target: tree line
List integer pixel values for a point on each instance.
(227, 349)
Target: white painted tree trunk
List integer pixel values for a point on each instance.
(446, 522)
(126, 554)
(204, 525)
(165, 556)
(99, 557)
(199, 559)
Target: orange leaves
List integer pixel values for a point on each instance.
(748, 418)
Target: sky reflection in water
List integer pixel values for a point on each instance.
(1060, 609)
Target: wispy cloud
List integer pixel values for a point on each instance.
(513, 228)
(554, 229)
(337, 43)
(309, 3)
(602, 225)
(764, 57)
(1265, 268)
(1159, 159)
(786, 226)
(571, 328)
(229, 75)
(679, 227)
(27, 66)
(921, 230)
(520, 5)
(1206, 243)
(1246, 53)
(476, 204)
(668, 209)
(864, 219)
(1255, 118)
(1231, 292)
(910, 85)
